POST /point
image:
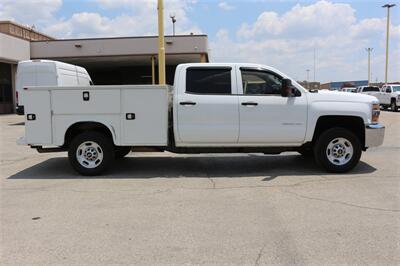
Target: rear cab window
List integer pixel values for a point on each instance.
(371, 89)
(209, 80)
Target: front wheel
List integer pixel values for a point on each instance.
(393, 106)
(337, 150)
(91, 153)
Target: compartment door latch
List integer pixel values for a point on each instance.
(130, 116)
(86, 96)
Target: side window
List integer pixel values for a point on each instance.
(261, 82)
(388, 89)
(208, 80)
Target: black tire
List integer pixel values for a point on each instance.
(393, 106)
(105, 148)
(321, 153)
(122, 151)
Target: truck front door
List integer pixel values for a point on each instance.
(207, 107)
(267, 118)
(386, 95)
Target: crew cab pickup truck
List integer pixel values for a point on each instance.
(389, 96)
(212, 108)
(369, 90)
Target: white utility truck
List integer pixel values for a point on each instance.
(389, 96)
(212, 108)
(47, 73)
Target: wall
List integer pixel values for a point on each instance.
(13, 49)
(191, 44)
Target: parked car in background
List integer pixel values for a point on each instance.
(369, 90)
(390, 96)
(47, 73)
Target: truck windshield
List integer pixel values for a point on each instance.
(396, 88)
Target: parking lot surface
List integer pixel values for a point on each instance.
(160, 208)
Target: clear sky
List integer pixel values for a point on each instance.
(280, 33)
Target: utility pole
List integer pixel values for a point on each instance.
(314, 63)
(369, 50)
(388, 6)
(172, 16)
(161, 44)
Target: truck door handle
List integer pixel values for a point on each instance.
(187, 103)
(130, 116)
(250, 104)
(85, 96)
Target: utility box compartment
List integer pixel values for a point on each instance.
(144, 116)
(38, 129)
(87, 100)
(136, 115)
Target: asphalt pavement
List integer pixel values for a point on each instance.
(160, 208)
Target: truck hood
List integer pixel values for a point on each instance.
(338, 96)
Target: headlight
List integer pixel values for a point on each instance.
(376, 111)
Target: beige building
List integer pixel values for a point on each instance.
(310, 85)
(125, 60)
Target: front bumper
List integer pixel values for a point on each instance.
(374, 135)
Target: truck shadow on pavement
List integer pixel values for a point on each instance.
(251, 165)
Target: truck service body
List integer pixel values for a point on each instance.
(211, 108)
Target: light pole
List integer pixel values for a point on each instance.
(369, 50)
(314, 62)
(161, 45)
(172, 16)
(388, 6)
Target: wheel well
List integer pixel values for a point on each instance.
(80, 127)
(353, 123)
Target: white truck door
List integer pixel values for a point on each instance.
(386, 95)
(38, 130)
(207, 106)
(144, 117)
(265, 116)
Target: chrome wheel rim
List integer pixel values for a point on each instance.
(339, 151)
(89, 154)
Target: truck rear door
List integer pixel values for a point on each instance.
(207, 106)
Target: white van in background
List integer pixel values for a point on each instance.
(47, 73)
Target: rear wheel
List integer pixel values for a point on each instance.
(122, 151)
(337, 150)
(91, 153)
